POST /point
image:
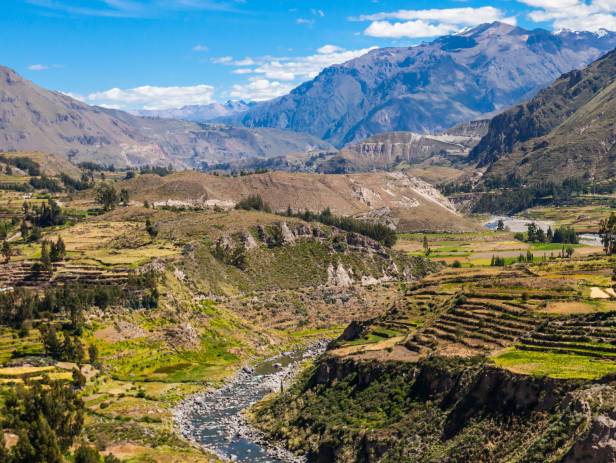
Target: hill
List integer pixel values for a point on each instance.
(429, 87)
(396, 198)
(567, 130)
(35, 119)
(390, 150)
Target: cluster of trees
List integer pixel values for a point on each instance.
(72, 184)
(253, 203)
(607, 231)
(18, 308)
(157, 170)
(108, 196)
(48, 214)
(377, 231)
(561, 235)
(45, 183)
(26, 164)
(514, 200)
(47, 416)
(498, 261)
(67, 347)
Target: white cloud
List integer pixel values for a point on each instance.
(200, 48)
(319, 13)
(294, 68)
(329, 49)
(259, 89)
(272, 76)
(408, 29)
(304, 21)
(38, 67)
(223, 60)
(576, 15)
(430, 22)
(149, 97)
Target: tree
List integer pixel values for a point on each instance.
(607, 231)
(79, 379)
(569, 250)
(57, 251)
(52, 345)
(46, 257)
(6, 251)
(37, 444)
(111, 458)
(24, 230)
(151, 228)
(87, 454)
(426, 245)
(93, 353)
(107, 196)
(124, 198)
(500, 225)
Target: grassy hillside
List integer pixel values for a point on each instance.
(396, 198)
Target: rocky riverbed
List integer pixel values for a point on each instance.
(215, 420)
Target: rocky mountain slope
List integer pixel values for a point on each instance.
(568, 129)
(396, 198)
(394, 149)
(35, 119)
(429, 87)
(199, 113)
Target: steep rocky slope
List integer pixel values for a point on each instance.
(566, 130)
(429, 87)
(398, 199)
(394, 149)
(35, 119)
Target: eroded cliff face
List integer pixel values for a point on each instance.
(441, 410)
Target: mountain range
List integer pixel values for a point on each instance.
(35, 119)
(429, 87)
(199, 113)
(566, 130)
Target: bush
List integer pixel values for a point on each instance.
(253, 202)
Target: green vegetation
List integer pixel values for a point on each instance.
(376, 231)
(554, 365)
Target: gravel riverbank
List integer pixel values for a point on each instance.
(215, 419)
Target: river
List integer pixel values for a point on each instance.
(214, 420)
(519, 224)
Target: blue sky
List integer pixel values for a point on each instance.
(165, 53)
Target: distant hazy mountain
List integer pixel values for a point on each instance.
(430, 87)
(199, 113)
(567, 130)
(35, 119)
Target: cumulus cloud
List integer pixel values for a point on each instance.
(259, 89)
(38, 67)
(576, 15)
(430, 22)
(149, 97)
(292, 68)
(273, 76)
(200, 48)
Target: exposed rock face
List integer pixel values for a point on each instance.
(566, 131)
(338, 276)
(449, 408)
(429, 87)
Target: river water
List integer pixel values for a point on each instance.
(215, 421)
(518, 224)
